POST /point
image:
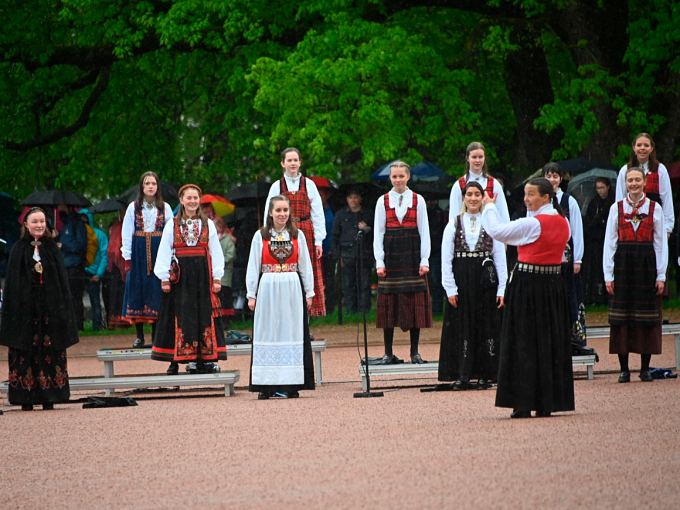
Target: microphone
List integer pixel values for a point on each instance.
(364, 231)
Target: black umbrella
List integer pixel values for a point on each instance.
(370, 193)
(109, 205)
(168, 190)
(248, 194)
(431, 192)
(56, 197)
(579, 165)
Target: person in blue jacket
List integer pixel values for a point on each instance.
(95, 272)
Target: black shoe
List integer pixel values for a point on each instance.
(138, 343)
(482, 384)
(388, 359)
(624, 376)
(173, 369)
(205, 368)
(263, 395)
(518, 413)
(460, 386)
(294, 394)
(645, 376)
(543, 414)
(48, 407)
(27, 407)
(416, 359)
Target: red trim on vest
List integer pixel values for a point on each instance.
(652, 185)
(548, 249)
(489, 185)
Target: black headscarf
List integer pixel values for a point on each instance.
(16, 309)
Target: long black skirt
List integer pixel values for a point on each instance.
(189, 327)
(535, 371)
(115, 294)
(38, 374)
(471, 332)
(307, 362)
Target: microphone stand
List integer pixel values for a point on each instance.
(360, 264)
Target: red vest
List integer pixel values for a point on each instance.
(489, 185)
(410, 219)
(645, 230)
(652, 185)
(547, 250)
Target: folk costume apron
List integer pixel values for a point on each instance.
(634, 309)
(143, 289)
(403, 297)
(282, 356)
(188, 330)
(301, 210)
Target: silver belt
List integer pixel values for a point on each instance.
(279, 268)
(533, 268)
(464, 254)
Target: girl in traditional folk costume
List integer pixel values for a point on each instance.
(142, 229)
(573, 255)
(634, 264)
(189, 325)
(535, 369)
(401, 246)
(308, 215)
(474, 274)
(476, 170)
(38, 321)
(280, 285)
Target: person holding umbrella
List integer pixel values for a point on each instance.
(143, 226)
(307, 213)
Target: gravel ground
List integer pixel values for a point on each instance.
(195, 449)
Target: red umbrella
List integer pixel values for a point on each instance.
(220, 205)
(323, 182)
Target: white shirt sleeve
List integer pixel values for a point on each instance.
(621, 184)
(660, 244)
(128, 231)
(501, 203)
(216, 253)
(164, 257)
(424, 231)
(254, 266)
(448, 280)
(274, 190)
(576, 226)
(501, 263)
(379, 222)
(611, 241)
(168, 213)
(667, 198)
(456, 201)
(516, 233)
(318, 217)
(305, 266)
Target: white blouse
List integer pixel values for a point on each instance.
(128, 231)
(575, 225)
(165, 251)
(611, 239)
(316, 214)
(456, 197)
(516, 233)
(448, 247)
(255, 265)
(664, 192)
(400, 207)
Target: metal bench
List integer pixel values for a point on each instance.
(227, 379)
(109, 356)
(433, 368)
(666, 329)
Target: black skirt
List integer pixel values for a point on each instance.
(187, 330)
(535, 371)
(471, 332)
(38, 374)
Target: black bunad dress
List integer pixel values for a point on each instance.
(471, 331)
(535, 371)
(635, 312)
(38, 323)
(189, 327)
(403, 296)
